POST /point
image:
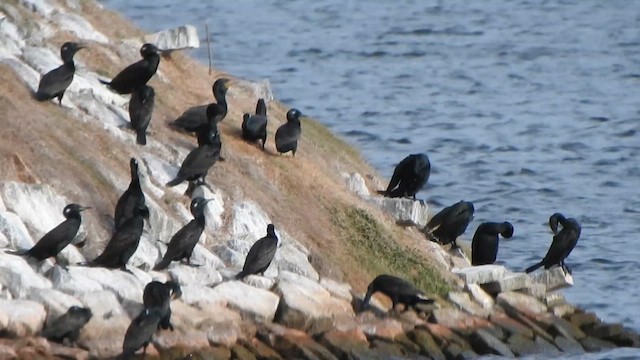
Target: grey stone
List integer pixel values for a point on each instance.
(147, 254)
(204, 257)
(554, 299)
(554, 278)
(356, 184)
(125, 285)
(260, 282)
(199, 276)
(18, 277)
(179, 38)
(485, 343)
(15, 232)
(509, 282)
(252, 302)
(568, 345)
(78, 26)
(104, 333)
(56, 303)
(192, 295)
(592, 344)
(25, 317)
(73, 284)
(337, 289)
(481, 274)
(536, 290)
(520, 302)
(406, 212)
(480, 296)
(463, 302)
(43, 8)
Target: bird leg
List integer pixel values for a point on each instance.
(60, 99)
(62, 266)
(190, 264)
(124, 268)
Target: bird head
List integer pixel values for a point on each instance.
(148, 50)
(68, 49)
(294, 115)
(73, 210)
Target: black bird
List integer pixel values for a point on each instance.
(409, 177)
(196, 117)
(198, 162)
(140, 110)
(137, 74)
(159, 295)
(255, 127)
(182, 243)
(484, 246)
(59, 237)
(131, 198)
(54, 83)
(124, 241)
(260, 255)
(288, 133)
(451, 222)
(67, 325)
(399, 290)
(563, 242)
(140, 332)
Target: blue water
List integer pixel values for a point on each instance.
(525, 108)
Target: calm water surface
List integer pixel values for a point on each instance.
(525, 108)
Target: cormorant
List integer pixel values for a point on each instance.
(54, 83)
(59, 237)
(260, 255)
(182, 243)
(196, 117)
(140, 332)
(159, 295)
(451, 222)
(124, 241)
(409, 177)
(399, 290)
(137, 74)
(67, 325)
(198, 162)
(140, 110)
(563, 242)
(131, 198)
(484, 246)
(255, 127)
(288, 133)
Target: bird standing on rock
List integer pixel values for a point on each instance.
(132, 197)
(197, 117)
(159, 295)
(198, 162)
(137, 74)
(449, 223)
(484, 246)
(182, 243)
(563, 242)
(59, 237)
(261, 254)
(399, 290)
(409, 177)
(140, 111)
(254, 127)
(68, 325)
(54, 83)
(288, 133)
(140, 332)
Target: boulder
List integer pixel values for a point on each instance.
(346, 344)
(179, 38)
(249, 218)
(463, 302)
(480, 274)
(480, 296)
(290, 258)
(383, 328)
(568, 345)
(198, 276)
(203, 257)
(15, 232)
(306, 305)
(592, 344)
(427, 344)
(25, 317)
(78, 26)
(161, 172)
(553, 279)
(521, 303)
(485, 343)
(294, 344)
(337, 289)
(458, 320)
(510, 282)
(193, 294)
(406, 212)
(18, 277)
(104, 333)
(251, 302)
(73, 284)
(55, 302)
(356, 184)
(260, 282)
(124, 284)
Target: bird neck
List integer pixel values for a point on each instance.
(221, 99)
(153, 61)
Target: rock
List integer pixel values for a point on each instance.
(43, 8)
(584, 319)
(241, 353)
(463, 302)
(356, 184)
(194, 294)
(481, 274)
(383, 328)
(443, 335)
(161, 172)
(458, 259)
(521, 345)
(592, 344)
(249, 218)
(544, 347)
(260, 282)
(509, 282)
(290, 258)
(147, 254)
(427, 344)
(536, 290)
(179, 38)
(553, 279)
(18, 277)
(455, 351)
(406, 212)
(564, 328)
(293, 343)
(520, 302)
(568, 345)
(563, 310)
(554, 299)
(345, 344)
(56, 303)
(199, 276)
(337, 289)
(249, 301)
(7, 352)
(73, 284)
(15, 232)
(261, 350)
(121, 283)
(79, 26)
(485, 343)
(66, 352)
(458, 320)
(306, 305)
(104, 333)
(256, 89)
(512, 326)
(25, 317)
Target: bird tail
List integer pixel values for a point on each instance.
(40, 96)
(175, 182)
(141, 137)
(382, 192)
(163, 264)
(534, 267)
(18, 252)
(241, 275)
(424, 300)
(105, 82)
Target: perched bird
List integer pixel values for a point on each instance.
(196, 117)
(260, 255)
(137, 74)
(484, 246)
(409, 177)
(140, 332)
(67, 325)
(288, 133)
(198, 162)
(563, 242)
(54, 83)
(131, 197)
(140, 110)
(158, 295)
(124, 241)
(255, 127)
(182, 243)
(59, 237)
(399, 290)
(451, 222)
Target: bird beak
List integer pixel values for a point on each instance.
(83, 208)
(82, 46)
(228, 84)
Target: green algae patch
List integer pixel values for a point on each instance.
(374, 249)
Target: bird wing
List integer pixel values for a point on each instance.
(402, 287)
(55, 81)
(255, 127)
(192, 118)
(140, 110)
(130, 76)
(287, 135)
(63, 325)
(126, 236)
(198, 161)
(183, 240)
(260, 255)
(56, 239)
(439, 218)
(559, 246)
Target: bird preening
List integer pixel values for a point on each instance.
(449, 223)
(409, 177)
(563, 243)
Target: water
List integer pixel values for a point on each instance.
(525, 108)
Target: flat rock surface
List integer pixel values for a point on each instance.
(481, 274)
(24, 317)
(521, 302)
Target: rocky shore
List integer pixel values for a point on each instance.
(305, 306)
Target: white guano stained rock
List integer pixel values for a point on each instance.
(17, 276)
(15, 232)
(337, 289)
(78, 26)
(553, 279)
(55, 302)
(510, 282)
(259, 282)
(43, 8)
(480, 296)
(356, 184)
(249, 301)
(104, 333)
(198, 276)
(73, 284)
(520, 302)
(123, 284)
(179, 38)
(405, 212)
(25, 317)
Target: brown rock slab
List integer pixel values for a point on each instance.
(427, 344)
(554, 278)
(546, 347)
(480, 274)
(522, 303)
(584, 319)
(463, 302)
(484, 343)
(261, 350)
(443, 336)
(240, 352)
(510, 325)
(626, 339)
(189, 338)
(293, 343)
(568, 345)
(458, 320)
(564, 328)
(7, 352)
(455, 351)
(592, 344)
(605, 331)
(537, 330)
(345, 344)
(383, 328)
(67, 352)
(521, 345)
(563, 310)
